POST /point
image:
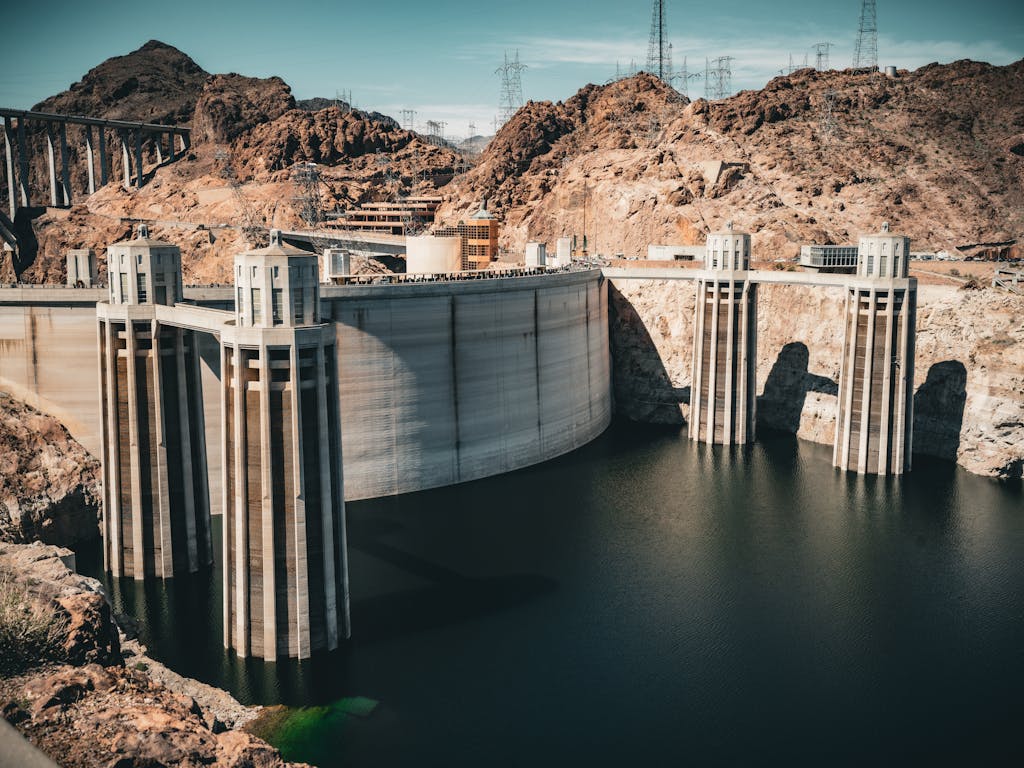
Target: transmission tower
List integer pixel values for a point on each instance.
(718, 77)
(865, 53)
(306, 178)
(409, 119)
(472, 129)
(511, 86)
(821, 50)
(253, 231)
(659, 50)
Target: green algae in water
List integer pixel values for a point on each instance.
(294, 729)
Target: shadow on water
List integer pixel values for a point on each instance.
(939, 410)
(786, 388)
(450, 598)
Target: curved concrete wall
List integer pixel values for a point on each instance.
(439, 383)
(449, 382)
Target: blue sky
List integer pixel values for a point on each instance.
(440, 58)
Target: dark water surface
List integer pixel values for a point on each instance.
(646, 601)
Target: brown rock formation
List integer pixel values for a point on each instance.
(91, 710)
(932, 151)
(49, 484)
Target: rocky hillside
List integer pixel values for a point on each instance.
(255, 122)
(49, 484)
(76, 699)
(938, 152)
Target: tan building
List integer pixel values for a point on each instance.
(722, 397)
(285, 567)
(479, 238)
(155, 507)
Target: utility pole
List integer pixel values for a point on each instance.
(865, 53)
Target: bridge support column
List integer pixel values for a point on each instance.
(286, 573)
(186, 141)
(102, 146)
(90, 159)
(52, 165)
(156, 522)
(171, 154)
(157, 139)
(12, 201)
(26, 196)
(65, 168)
(138, 159)
(125, 159)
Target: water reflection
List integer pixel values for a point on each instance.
(647, 599)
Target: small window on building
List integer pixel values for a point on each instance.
(241, 304)
(298, 306)
(143, 295)
(139, 257)
(257, 307)
(124, 288)
(275, 272)
(275, 304)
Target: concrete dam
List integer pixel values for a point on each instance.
(282, 398)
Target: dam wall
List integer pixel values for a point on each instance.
(439, 383)
(968, 372)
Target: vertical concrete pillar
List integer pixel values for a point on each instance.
(52, 164)
(186, 141)
(138, 158)
(12, 201)
(90, 159)
(125, 159)
(102, 146)
(170, 146)
(65, 167)
(23, 185)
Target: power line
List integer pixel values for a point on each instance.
(718, 78)
(865, 53)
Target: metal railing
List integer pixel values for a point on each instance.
(1010, 279)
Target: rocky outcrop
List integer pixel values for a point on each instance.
(639, 162)
(232, 105)
(90, 709)
(49, 483)
(968, 375)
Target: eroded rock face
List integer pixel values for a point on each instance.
(968, 375)
(93, 710)
(645, 164)
(49, 484)
(231, 105)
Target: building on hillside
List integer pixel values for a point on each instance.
(479, 238)
(401, 217)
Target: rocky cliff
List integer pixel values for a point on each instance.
(937, 152)
(968, 376)
(83, 706)
(49, 484)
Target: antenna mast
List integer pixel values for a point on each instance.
(865, 54)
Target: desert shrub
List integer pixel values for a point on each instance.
(30, 630)
(954, 272)
(972, 284)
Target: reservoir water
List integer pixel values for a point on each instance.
(645, 601)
